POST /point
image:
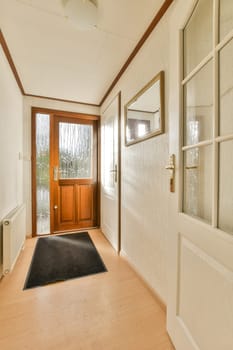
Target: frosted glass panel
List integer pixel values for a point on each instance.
(75, 151)
(198, 35)
(42, 174)
(226, 89)
(197, 182)
(226, 17)
(198, 106)
(226, 187)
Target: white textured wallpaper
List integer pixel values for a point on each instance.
(11, 139)
(145, 182)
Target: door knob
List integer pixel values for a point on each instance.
(171, 168)
(189, 167)
(55, 207)
(115, 172)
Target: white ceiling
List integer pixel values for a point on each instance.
(55, 59)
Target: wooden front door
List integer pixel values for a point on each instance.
(74, 176)
(64, 171)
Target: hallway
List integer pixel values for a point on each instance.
(112, 310)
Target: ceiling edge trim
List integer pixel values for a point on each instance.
(11, 62)
(63, 100)
(163, 9)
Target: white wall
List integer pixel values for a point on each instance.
(11, 139)
(30, 102)
(145, 182)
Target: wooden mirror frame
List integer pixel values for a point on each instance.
(160, 77)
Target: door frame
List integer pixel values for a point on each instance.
(119, 121)
(65, 114)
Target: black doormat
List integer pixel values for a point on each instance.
(59, 258)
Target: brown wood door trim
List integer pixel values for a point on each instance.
(33, 172)
(84, 119)
(66, 114)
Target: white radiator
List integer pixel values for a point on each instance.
(14, 233)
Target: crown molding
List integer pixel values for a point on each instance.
(11, 63)
(63, 100)
(139, 45)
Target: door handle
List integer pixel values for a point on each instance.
(55, 207)
(189, 167)
(115, 172)
(171, 168)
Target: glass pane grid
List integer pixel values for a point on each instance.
(203, 189)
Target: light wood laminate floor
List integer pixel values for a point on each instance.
(107, 311)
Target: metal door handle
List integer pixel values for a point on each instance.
(188, 167)
(55, 207)
(115, 172)
(171, 168)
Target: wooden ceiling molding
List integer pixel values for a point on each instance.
(10, 61)
(63, 100)
(139, 45)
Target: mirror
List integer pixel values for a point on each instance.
(144, 113)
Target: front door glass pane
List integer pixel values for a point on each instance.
(75, 151)
(226, 89)
(198, 35)
(198, 106)
(198, 182)
(42, 174)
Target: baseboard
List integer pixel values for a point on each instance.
(18, 254)
(146, 284)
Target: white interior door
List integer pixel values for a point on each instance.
(200, 291)
(110, 181)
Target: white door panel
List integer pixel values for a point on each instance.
(110, 172)
(200, 272)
